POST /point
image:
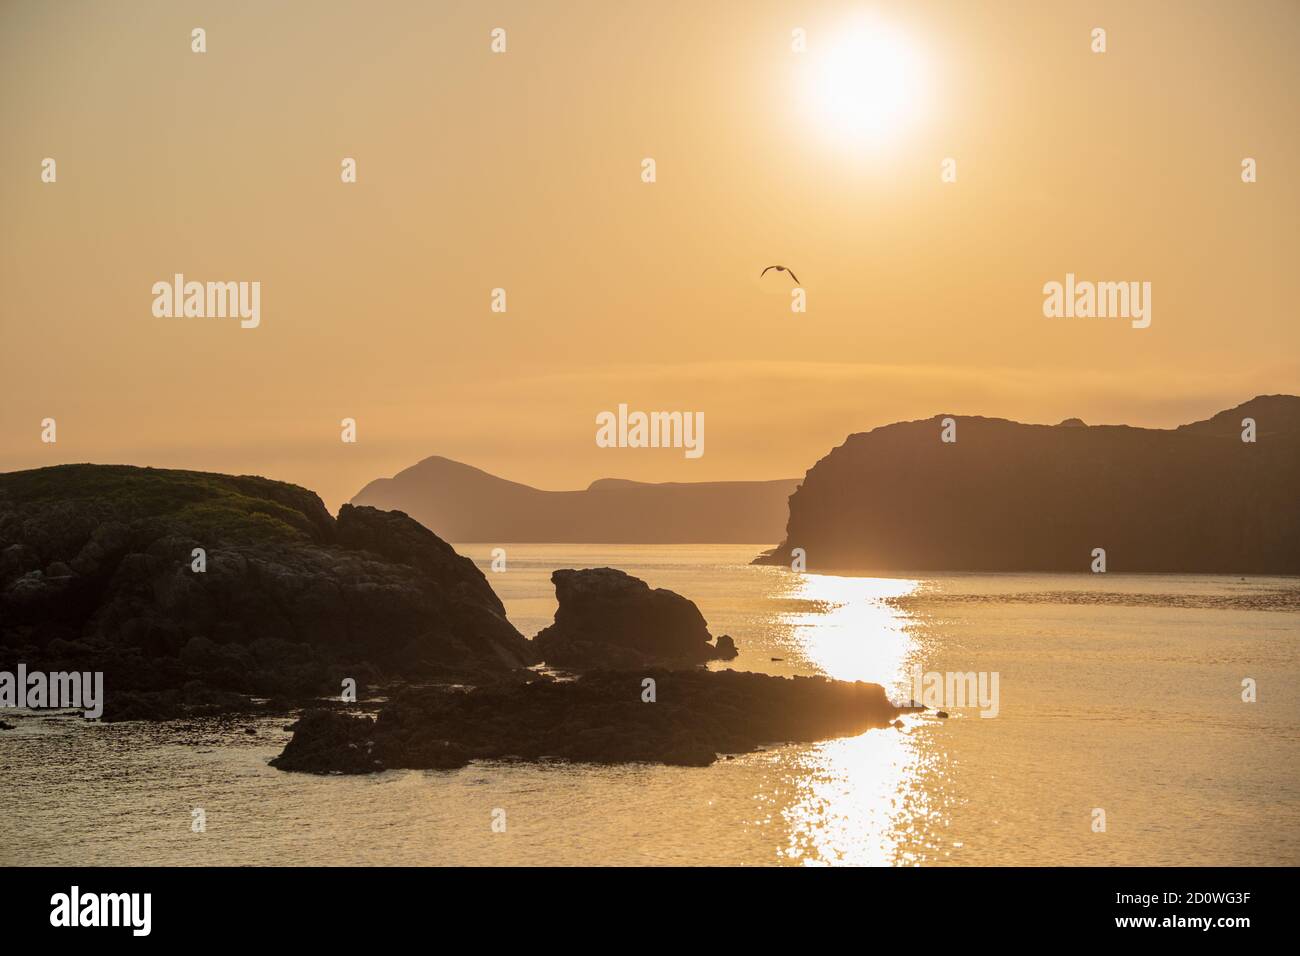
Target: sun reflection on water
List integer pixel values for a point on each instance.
(851, 632)
(871, 799)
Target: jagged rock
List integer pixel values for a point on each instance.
(598, 718)
(607, 618)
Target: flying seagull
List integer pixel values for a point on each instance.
(781, 269)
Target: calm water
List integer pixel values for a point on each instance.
(1119, 692)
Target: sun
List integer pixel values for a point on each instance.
(864, 82)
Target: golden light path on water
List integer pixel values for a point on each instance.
(850, 631)
(858, 800)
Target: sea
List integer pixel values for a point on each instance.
(1139, 720)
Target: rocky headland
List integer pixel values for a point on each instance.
(193, 592)
(1004, 496)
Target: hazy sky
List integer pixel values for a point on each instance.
(522, 170)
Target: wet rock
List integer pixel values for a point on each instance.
(598, 718)
(329, 742)
(131, 705)
(194, 699)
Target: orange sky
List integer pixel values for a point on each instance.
(522, 171)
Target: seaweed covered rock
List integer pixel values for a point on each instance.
(602, 717)
(347, 743)
(161, 578)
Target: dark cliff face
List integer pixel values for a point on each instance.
(96, 565)
(1008, 497)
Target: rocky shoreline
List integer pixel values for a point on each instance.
(603, 717)
(202, 595)
(670, 710)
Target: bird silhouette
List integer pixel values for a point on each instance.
(780, 269)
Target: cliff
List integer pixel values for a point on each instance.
(1012, 497)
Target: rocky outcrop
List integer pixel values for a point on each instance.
(1011, 497)
(329, 741)
(463, 503)
(97, 571)
(598, 718)
(607, 618)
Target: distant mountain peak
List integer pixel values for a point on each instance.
(611, 484)
(462, 503)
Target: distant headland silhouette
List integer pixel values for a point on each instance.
(1215, 496)
(461, 503)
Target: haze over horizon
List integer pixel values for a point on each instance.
(375, 295)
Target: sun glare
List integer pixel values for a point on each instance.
(865, 83)
(853, 633)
